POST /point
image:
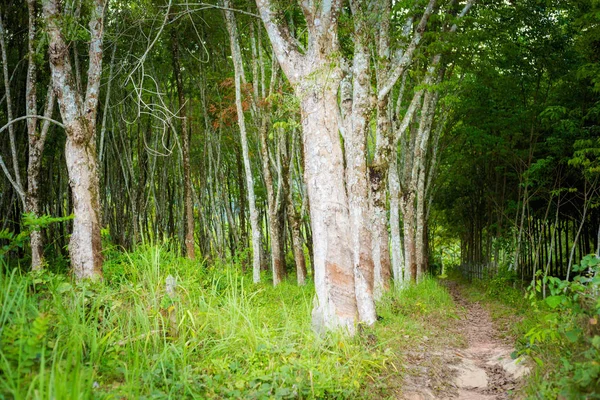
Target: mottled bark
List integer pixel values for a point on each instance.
(293, 216)
(324, 173)
(79, 117)
(355, 141)
(36, 139)
(418, 179)
(397, 252)
(277, 262)
(315, 77)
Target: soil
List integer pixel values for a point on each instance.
(483, 369)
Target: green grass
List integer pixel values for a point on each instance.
(220, 336)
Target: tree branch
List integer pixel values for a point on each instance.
(399, 65)
(284, 47)
(43, 117)
(95, 61)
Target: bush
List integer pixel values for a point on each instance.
(568, 335)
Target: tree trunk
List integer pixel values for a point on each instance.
(398, 266)
(37, 140)
(277, 263)
(187, 181)
(79, 117)
(315, 77)
(293, 216)
(324, 174)
(238, 68)
(355, 142)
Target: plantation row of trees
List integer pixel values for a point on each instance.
(319, 136)
(521, 185)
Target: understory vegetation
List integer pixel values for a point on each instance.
(556, 327)
(216, 336)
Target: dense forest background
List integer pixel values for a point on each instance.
(354, 146)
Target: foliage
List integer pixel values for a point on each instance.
(567, 335)
(218, 337)
(29, 224)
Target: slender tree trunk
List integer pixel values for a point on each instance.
(238, 68)
(277, 263)
(37, 140)
(16, 180)
(187, 181)
(293, 216)
(398, 266)
(420, 163)
(79, 117)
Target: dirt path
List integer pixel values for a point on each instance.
(482, 370)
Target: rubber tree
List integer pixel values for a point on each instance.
(315, 76)
(78, 111)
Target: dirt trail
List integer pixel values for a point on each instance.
(482, 370)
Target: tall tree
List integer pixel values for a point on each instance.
(315, 77)
(78, 111)
(185, 136)
(239, 72)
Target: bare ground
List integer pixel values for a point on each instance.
(483, 369)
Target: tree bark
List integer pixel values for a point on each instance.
(79, 117)
(239, 70)
(293, 216)
(398, 267)
(315, 77)
(277, 263)
(355, 142)
(36, 139)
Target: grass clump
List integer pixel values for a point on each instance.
(217, 336)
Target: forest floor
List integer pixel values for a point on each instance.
(468, 360)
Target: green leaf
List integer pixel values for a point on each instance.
(554, 301)
(573, 335)
(64, 287)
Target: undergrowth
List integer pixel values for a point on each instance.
(217, 336)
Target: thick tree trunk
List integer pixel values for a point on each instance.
(356, 130)
(315, 77)
(324, 174)
(79, 118)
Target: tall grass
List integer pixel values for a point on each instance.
(218, 336)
